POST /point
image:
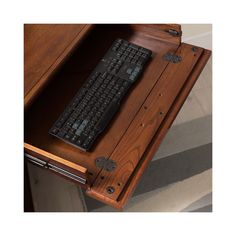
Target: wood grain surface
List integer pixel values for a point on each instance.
(156, 140)
(159, 31)
(130, 149)
(143, 118)
(68, 80)
(45, 47)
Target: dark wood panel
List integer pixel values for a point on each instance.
(145, 124)
(45, 46)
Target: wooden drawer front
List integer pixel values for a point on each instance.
(56, 164)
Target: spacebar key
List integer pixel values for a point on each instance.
(109, 113)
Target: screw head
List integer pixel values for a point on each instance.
(110, 189)
(194, 49)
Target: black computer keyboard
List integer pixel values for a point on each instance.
(92, 108)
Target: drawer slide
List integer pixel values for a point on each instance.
(56, 164)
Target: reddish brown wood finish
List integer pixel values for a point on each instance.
(45, 47)
(156, 140)
(67, 81)
(125, 141)
(145, 124)
(159, 31)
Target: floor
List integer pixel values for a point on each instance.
(179, 178)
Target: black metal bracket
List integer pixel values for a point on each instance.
(174, 32)
(172, 58)
(107, 164)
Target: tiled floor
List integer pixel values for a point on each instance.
(184, 157)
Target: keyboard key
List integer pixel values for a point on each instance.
(61, 133)
(75, 125)
(54, 130)
(129, 71)
(107, 116)
(74, 138)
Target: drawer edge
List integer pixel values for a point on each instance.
(56, 164)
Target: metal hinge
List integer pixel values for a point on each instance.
(106, 164)
(172, 58)
(174, 32)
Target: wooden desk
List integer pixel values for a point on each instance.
(58, 58)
